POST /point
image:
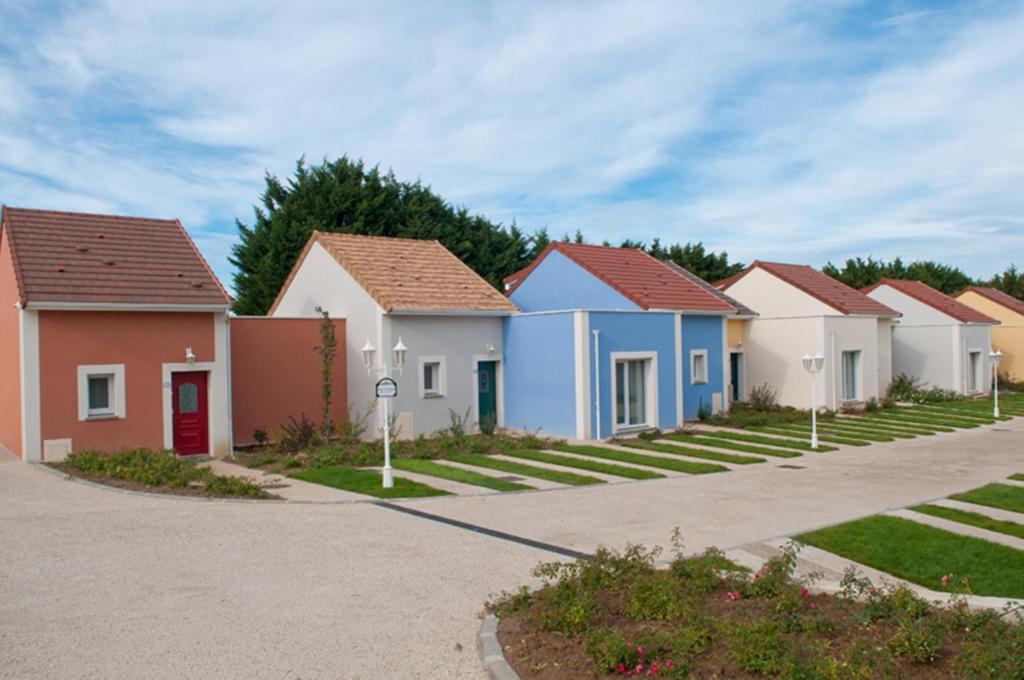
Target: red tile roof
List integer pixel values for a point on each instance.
(935, 299)
(104, 259)
(639, 277)
(404, 274)
(997, 296)
(741, 309)
(833, 293)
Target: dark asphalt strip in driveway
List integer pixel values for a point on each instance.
(500, 535)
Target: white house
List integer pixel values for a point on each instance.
(416, 292)
(801, 311)
(942, 342)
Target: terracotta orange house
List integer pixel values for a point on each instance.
(113, 334)
(1008, 336)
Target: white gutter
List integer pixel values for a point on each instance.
(126, 307)
(597, 381)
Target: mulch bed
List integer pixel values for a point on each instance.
(117, 483)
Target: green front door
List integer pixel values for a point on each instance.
(487, 394)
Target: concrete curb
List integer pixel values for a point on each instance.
(491, 653)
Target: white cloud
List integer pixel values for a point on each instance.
(783, 139)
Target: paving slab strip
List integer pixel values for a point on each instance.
(535, 482)
(959, 528)
(664, 472)
(606, 478)
(828, 438)
(650, 459)
(862, 423)
(790, 443)
(632, 472)
(713, 444)
(695, 450)
(994, 513)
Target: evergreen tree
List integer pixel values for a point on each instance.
(1010, 282)
(859, 272)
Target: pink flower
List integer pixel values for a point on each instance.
(640, 650)
(946, 580)
(804, 592)
(734, 595)
(621, 668)
(813, 605)
(668, 664)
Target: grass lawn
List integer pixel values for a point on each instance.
(691, 453)
(1017, 477)
(898, 421)
(973, 518)
(887, 427)
(582, 464)
(701, 440)
(435, 469)
(872, 435)
(984, 413)
(684, 466)
(806, 431)
(924, 554)
(1002, 496)
(929, 421)
(781, 442)
(369, 482)
(480, 460)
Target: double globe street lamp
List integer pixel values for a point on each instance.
(385, 389)
(813, 365)
(995, 357)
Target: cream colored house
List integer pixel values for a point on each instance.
(1008, 336)
(937, 340)
(801, 311)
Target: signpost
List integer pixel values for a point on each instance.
(385, 390)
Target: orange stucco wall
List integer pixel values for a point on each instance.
(143, 342)
(275, 373)
(10, 362)
(1007, 337)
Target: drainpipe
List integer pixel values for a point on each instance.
(230, 391)
(597, 381)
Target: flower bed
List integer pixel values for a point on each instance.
(705, 617)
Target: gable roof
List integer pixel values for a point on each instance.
(935, 299)
(85, 259)
(997, 296)
(741, 309)
(822, 287)
(642, 279)
(403, 274)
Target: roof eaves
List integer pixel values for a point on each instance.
(459, 263)
(227, 297)
(5, 226)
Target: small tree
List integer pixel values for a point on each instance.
(327, 349)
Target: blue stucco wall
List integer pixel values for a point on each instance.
(702, 332)
(626, 332)
(540, 373)
(559, 283)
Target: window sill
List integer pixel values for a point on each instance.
(633, 429)
(433, 395)
(698, 382)
(101, 416)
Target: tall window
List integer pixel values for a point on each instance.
(698, 367)
(631, 392)
(101, 399)
(851, 382)
(973, 371)
(432, 376)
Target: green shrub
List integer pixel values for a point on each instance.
(757, 647)
(510, 603)
(609, 649)
(910, 389)
(298, 435)
(236, 487)
(916, 640)
(776, 575)
(763, 398)
(655, 596)
(566, 608)
(702, 573)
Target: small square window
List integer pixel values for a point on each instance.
(101, 402)
(431, 374)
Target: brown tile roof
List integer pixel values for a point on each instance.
(997, 296)
(935, 299)
(641, 278)
(105, 259)
(833, 293)
(741, 308)
(403, 274)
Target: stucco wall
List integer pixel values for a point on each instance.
(1008, 337)
(10, 356)
(143, 342)
(702, 333)
(276, 373)
(772, 355)
(977, 338)
(458, 340)
(738, 330)
(652, 332)
(559, 283)
(885, 349)
(774, 298)
(927, 353)
(847, 334)
(540, 375)
(914, 312)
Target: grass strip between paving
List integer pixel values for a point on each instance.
(1002, 496)
(454, 474)
(974, 519)
(683, 466)
(557, 476)
(584, 464)
(781, 442)
(923, 554)
(701, 440)
(692, 453)
(369, 482)
(794, 432)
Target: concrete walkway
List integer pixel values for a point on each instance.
(285, 487)
(97, 583)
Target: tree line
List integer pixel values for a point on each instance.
(346, 196)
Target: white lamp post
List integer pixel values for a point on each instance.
(995, 358)
(813, 365)
(399, 351)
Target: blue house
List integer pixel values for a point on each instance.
(611, 341)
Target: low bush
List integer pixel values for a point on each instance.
(160, 469)
(909, 388)
(763, 398)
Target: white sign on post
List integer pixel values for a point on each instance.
(386, 388)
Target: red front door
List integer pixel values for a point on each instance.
(191, 422)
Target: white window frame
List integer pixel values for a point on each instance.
(113, 372)
(846, 399)
(441, 388)
(694, 378)
(651, 384)
(975, 377)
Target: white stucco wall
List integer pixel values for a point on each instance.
(772, 355)
(461, 341)
(885, 349)
(915, 312)
(976, 338)
(851, 333)
(773, 298)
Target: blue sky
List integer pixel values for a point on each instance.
(792, 131)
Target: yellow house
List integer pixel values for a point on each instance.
(1008, 337)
